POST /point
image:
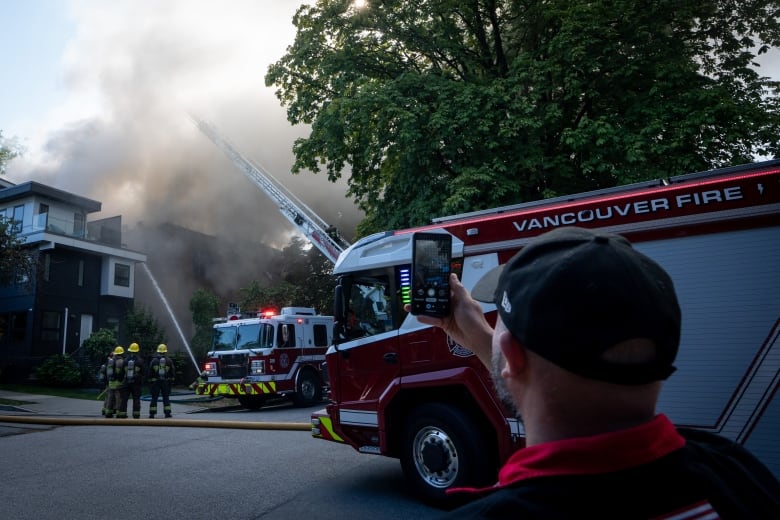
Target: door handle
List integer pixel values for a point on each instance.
(391, 357)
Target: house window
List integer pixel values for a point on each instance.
(46, 266)
(22, 272)
(43, 215)
(122, 275)
(50, 326)
(78, 224)
(81, 273)
(18, 326)
(18, 218)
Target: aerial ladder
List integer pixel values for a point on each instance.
(324, 237)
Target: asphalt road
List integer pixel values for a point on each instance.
(132, 472)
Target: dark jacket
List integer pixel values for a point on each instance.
(134, 368)
(693, 472)
(155, 373)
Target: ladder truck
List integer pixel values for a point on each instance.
(403, 389)
(324, 237)
(258, 367)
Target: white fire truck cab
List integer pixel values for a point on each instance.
(403, 389)
(269, 356)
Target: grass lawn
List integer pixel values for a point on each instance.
(76, 393)
(88, 394)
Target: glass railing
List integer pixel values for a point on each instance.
(44, 222)
(57, 226)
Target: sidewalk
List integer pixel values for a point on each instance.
(50, 405)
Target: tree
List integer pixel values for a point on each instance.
(283, 294)
(306, 282)
(99, 344)
(16, 264)
(436, 107)
(204, 306)
(9, 148)
(143, 328)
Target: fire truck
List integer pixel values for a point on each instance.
(249, 359)
(402, 389)
(267, 357)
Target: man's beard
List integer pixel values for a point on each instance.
(501, 390)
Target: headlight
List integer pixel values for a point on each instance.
(210, 368)
(257, 367)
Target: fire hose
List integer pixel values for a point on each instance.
(187, 423)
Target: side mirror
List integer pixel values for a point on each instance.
(339, 315)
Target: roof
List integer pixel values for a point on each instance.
(30, 188)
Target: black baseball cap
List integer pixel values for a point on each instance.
(572, 293)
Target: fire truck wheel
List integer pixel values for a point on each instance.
(442, 448)
(253, 402)
(308, 389)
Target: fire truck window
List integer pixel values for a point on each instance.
(368, 308)
(320, 336)
(286, 335)
(266, 336)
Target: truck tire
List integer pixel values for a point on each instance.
(444, 447)
(308, 389)
(252, 402)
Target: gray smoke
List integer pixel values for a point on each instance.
(145, 65)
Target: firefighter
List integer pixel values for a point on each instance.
(160, 375)
(103, 380)
(134, 378)
(117, 385)
(202, 378)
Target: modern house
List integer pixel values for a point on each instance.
(85, 278)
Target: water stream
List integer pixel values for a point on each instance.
(170, 312)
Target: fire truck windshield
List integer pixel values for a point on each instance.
(224, 337)
(266, 336)
(248, 335)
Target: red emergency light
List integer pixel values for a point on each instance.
(267, 313)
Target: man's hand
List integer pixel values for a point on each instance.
(466, 323)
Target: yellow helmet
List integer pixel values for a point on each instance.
(119, 351)
(162, 349)
(133, 347)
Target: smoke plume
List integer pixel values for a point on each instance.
(139, 67)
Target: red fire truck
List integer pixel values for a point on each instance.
(405, 390)
(269, 356)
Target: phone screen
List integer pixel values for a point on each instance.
(431, 266)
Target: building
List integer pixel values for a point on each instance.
(85, 278)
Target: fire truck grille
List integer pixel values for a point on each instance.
(234, 366)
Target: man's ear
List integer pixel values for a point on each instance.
(514, 354)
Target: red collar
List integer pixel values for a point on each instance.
(603, 453)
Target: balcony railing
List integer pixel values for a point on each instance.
(57, 226)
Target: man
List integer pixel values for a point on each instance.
(105, 370)
(161, 376)
(117, 386)
(587, 329)
(134, 378)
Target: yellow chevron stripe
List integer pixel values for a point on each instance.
(259, 388)
(327, 424)
(234, 389)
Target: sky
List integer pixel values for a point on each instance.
(98, 94)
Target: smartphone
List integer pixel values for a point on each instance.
(431, 266)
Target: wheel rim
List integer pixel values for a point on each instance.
(435, 457)
(307, 388)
